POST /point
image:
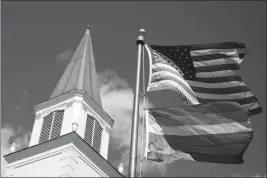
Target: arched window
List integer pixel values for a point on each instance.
(93, 133)
(51, 127)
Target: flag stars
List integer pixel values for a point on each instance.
(179, 59)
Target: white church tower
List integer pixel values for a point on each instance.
(70, 136)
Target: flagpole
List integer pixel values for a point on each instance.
(143, 118)
(134, 134)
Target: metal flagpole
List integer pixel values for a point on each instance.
(143, 118)
(134, 134)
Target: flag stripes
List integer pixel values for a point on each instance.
(217, 132)
(222, 85)
(177, 82)
(220, 90)
(197, 114)
(209, 58)
(243, 101)
(223, 79)
(191, 130)
(213, 76)
(214, 61)
(224, 96)
(206, 143)
(220, 67)
(225, 47)
(217, 73)
(214, 68)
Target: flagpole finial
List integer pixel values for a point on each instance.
(142, 30)
(141, 38)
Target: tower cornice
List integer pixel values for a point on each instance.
(71, 94)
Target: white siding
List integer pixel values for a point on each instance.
(64, 161)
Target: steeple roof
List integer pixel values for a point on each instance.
(80, 73)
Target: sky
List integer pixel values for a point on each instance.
(38, 39)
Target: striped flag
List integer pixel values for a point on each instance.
(216, 132)
(201, 73)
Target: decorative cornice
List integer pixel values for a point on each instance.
(108, 130)
(98, 110)
(69, 104)
(38, 116)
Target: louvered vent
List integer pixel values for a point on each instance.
(93, 133)
(89, 129)
(97, 137)
(57, 123)
(46, 127)
(54, 121)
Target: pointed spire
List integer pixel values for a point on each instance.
(80, 73)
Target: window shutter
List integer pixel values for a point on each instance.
(97, 137)
(46, 127)
(51, 127)
(89, 128)
(93, 133)
(57, 124)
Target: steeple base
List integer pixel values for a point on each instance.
(66, 156)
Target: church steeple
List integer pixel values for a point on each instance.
(71, 131)
(80, 73)
(75, 101)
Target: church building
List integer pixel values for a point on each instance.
(71, 131)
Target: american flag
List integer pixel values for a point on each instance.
(218, 132)
(201, 73)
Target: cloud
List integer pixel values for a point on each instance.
(65, 56)
(117, 99)
(11, 135)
